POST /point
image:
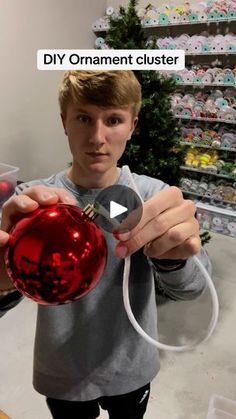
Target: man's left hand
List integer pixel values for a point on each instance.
(168, 228)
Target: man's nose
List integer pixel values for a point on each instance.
(98, 132)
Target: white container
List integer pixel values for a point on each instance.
(8, 179)
(219, 220)
(219, 414)
(221, 408)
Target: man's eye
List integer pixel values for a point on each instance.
(83, 118)
(113, 121)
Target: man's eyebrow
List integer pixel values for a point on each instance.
(81, 110)
(119, 112)
(114, 112)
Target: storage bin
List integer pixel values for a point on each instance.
(8, 179)
(221, 408)
(219, 414)
(215, 219)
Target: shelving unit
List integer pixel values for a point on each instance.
(214, 214)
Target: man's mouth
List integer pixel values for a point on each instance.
(97, 154)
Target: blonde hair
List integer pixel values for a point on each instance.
(101, 88)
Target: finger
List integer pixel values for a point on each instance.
(29, 200)
(4, 237)
(172, 238)
(187, 249)
(159, 226)
(127, 224)
(45, 195)
(165, 199)
(14, 208)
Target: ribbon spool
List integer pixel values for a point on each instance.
(178, 78)
(222, 15)
(163, 19)
(141, 13)
(152, 14)
(212, 16)
(174, 17)
(231, 14)
(147, 21)
(207, 78)
(109, 11)
(193, 17)
(197, 79)
(202, 17)
(99, 24)
(99, 41)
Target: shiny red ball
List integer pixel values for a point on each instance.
(6, 190)
(56, 254)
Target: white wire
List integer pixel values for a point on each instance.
(138, 328)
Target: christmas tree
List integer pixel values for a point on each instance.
(154, 149)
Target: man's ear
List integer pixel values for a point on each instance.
(134, 124)
(63, 119)
(135, 121)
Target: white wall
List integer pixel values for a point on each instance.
(31, 136)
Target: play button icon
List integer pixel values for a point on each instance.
(119, 208)
(116, 209)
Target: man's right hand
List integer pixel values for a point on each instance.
(17, 206)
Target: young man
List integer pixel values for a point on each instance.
(87, 353)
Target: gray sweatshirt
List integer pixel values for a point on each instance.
(88, 349)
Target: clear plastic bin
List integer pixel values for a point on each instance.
(8, 179)
(219, 220)
(221, 408)
(219, 414)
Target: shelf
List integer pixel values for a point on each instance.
(226, 121)
(193, 54)
(192, 169)
(207, 85)
(233, 204)
(185, 23)
(188, 143)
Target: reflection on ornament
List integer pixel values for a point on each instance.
(56, 254)
(6, 190)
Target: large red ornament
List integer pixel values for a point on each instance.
(56, 254)
(6, 190)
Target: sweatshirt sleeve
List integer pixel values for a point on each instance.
(186, 283)
(9, 301)
(13, 299)
(183, 284)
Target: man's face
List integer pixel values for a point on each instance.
(97, 136)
